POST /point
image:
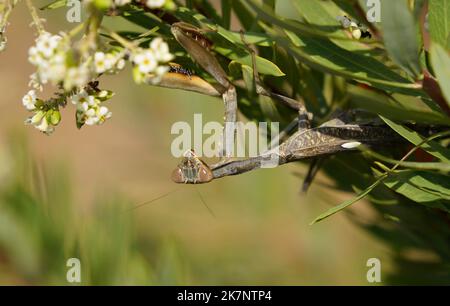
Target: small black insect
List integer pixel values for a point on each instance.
(358, 29)
(93, 86)
(175, 68)
(365, 33)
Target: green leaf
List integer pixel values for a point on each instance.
(259, 39)
(263, 65)
(324, 55)
(420, 186)
(435, 166)
(346, 204)
(439, 21)
(254, 38)
(440, 59)
(403, 108)
(147, 21)
(270, 3)
(249, 80)
(55, 117)
(226, 13)
(297, 27)
(431, 147)
(210, 11)
(246, 18)
(323, 15)
(400, 35)
(54, 5)
(231, 46)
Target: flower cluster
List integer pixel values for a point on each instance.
(150, 64)
(90, 108)
(73, 67)
(111, 62)
(46, 115)
(49, 56)
(58, 63)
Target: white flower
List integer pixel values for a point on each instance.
(120, 64)
(37, 118)
(99, 62)
(34, 82)
(49, 56)
(121, 2)
(161, 50)
(76, 77)
(103, 62)
(29, 100)
(108, 62)
(47, 43)
(44, 126)
(159, 72)
(89, 109)
(155, 3)
(56, 69)
(39, 121)
(80, 97)
(150, 63)
(33, 55)
(102, 94)
(146, 61)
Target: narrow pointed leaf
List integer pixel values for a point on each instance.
(400, 35)
(439, 21)
(431, 147)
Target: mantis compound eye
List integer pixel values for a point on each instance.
(205, 175)
(177, 176)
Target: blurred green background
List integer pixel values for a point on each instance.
(72, 194)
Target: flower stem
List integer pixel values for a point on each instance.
(36, 20)
(76, 30)
(93, 24)
(7, 7)
(123, 41)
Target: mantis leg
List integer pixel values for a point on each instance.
(304, 117)
(230, 101)
(192, 40)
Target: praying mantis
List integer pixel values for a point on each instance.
(329, 138)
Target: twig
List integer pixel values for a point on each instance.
(36, 20)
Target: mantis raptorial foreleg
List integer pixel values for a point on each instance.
(198, 47)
